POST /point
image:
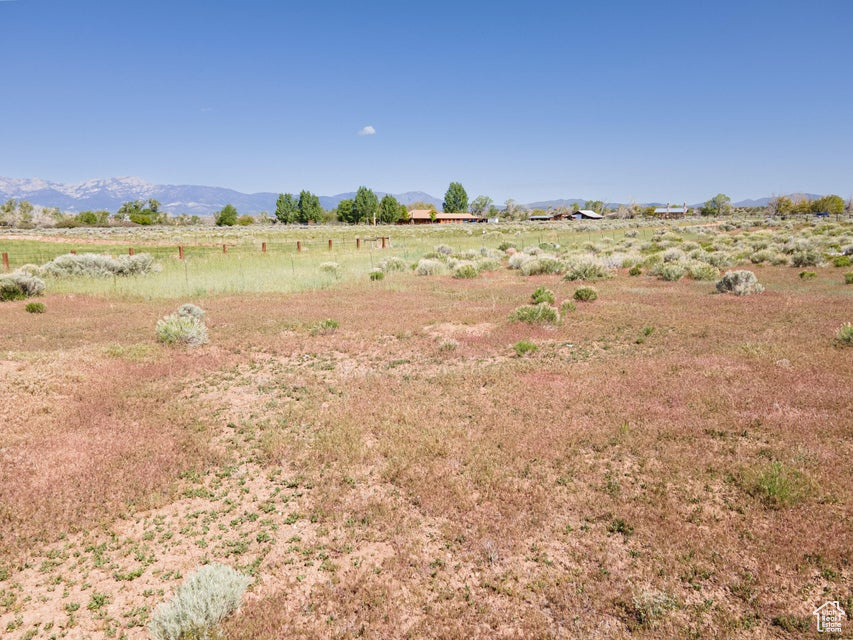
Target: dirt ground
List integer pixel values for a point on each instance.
(668, 462)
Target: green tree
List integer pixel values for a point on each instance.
(227, 217)
(594, 205)
(831, 204)
(366, 206)
(344, 211)
(286, 208)
(480, 205)
(455, 199)
(719, 205)
(389, 209)
(25, 212)
(780, 206)
(308, 208)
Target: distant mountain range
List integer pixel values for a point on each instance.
(110, 193)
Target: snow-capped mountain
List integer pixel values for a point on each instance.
(110, 193)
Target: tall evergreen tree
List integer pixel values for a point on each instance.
(389, 209)
(309, 209)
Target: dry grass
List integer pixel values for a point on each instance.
(382, 485)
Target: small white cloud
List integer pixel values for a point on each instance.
(367, 131)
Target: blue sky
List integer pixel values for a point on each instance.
(618, 100)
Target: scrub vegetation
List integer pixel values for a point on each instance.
(462, 448)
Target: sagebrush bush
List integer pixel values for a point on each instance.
(465, 270)
(635, 270)
(96, 265)
(189, 309)
(535, 314)
(740, 283)
(808, 258)
(586, 294)
(516, 260)
(19, 285)
(488, 264)
(200, 604)
(376, 274)
(392, 264)
(841, 261)
(182, 327)
(848, 278)
(587, 269)
(332, 269)
(428, 267)
(543, 265)
(444, 249)
(542, 295)
(703, 271)
(670, 271)
(807, 275)
(35, 307)
(566, 306)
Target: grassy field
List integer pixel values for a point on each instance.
(665, 461)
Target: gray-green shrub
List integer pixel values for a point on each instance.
(96, 265)
(19, 285)
(392, 264)
(586, 269)
(427, 267)
(535, 314)
(585, 294)
(200, 604)
(465, 270)
(740, 283)
(182, 327)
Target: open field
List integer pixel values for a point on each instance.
(665, 461)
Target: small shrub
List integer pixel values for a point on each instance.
(542, 295)
(428, 267)
(393, 264)
(543, 265)
(444, 249)
(535, 314)
(566, 306)
(807, 275)
(323, 327)
(841, 261)
(586, 294)
(35, 307)
(191, 310)
(740, 283)
(845, 334)
(670, 271)
(523, 347)
(807, 258)
(376, 274)
(488, 264)
(649, 606)
(177, 328)
(777, 485)
(19, 285)
(632, 233)
(848, 278)
(332, 269)
(635, 270)
(503, 246)
(517, 260)
(703, 271)
(587, 269)
(204, 599)
(465, 270)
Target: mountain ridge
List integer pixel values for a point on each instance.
(111, 193)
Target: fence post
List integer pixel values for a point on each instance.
(180, 252)
(358, 243)
(383, 242)
(330, 244)
(263, 247)
(5, 261)
(130, 251)
(73, 252)
(224, 248)
(299, 246)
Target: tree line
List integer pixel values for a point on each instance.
(367, 208)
